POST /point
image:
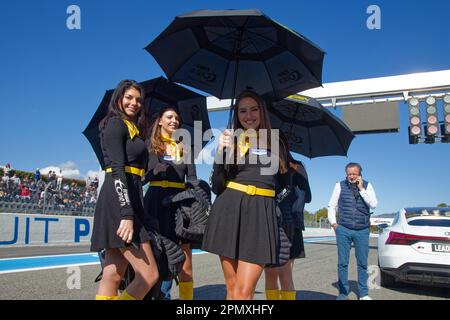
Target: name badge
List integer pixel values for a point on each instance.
(169, 158)
(259, 152)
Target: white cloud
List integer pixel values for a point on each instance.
(92, 174)
(69, 170)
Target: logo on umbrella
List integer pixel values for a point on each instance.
(201, 72)
(299, 98)
(289, 75)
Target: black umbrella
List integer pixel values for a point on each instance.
(159, 92)
(224, 52)
(311, 129)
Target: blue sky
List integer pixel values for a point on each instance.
(52, 80)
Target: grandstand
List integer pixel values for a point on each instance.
(20, 192)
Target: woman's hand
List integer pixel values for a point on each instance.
(125, 230)
(160, 167)
(225, 140)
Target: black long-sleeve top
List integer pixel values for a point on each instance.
(293, 205)
(175, 172)
(163, 218)
(120, 151)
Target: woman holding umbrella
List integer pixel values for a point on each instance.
(119, 214)
(243, 228)
(167, 174)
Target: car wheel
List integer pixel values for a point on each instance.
(386, 280)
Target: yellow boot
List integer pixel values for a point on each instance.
(97, 297)
(272, 294)
(186, 290)
(126, 296)
(288, 295)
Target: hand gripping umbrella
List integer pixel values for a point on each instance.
(159, 92)
(311, 130)
(223, 52)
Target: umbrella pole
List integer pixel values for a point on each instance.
(233, 100)
(237, 54)
(230, 113)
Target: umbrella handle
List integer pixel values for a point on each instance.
(230, 118)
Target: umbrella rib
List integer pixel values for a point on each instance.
(285, 48)
(340, 143)
(309, 142)
(262, 36)
(225, 74)
(270, 76)
(236, 55)
(264, 61)
(292, 124)
(342, 123)
(203, 33)
(298, 122)
(232, 26)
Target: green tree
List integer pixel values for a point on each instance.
(308, 216)
(321, 213)
(443, 205)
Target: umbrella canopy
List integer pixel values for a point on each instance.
(311, 130)
(224, 52)
(159, 92)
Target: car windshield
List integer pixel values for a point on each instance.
(430, 222)
(428, 217)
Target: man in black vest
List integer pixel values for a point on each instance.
(352, 199)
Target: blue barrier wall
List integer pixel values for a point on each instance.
(33, 229)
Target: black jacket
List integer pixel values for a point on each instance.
(192, 209)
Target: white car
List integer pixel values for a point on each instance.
(416, 247)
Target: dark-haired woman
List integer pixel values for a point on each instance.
(168, 170)
(243, 227)
(119, 214)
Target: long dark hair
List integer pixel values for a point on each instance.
(114, 107)
(264, 124)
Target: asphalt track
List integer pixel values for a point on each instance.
(68, 273)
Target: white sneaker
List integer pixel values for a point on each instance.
(365, 298)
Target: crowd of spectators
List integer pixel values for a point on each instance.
(51, 190)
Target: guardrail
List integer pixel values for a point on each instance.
(35, 208)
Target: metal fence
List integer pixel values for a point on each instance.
(34, 208)
(323, 223)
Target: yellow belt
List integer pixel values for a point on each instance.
(251, 190)
(167, 184)
(132, 170)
